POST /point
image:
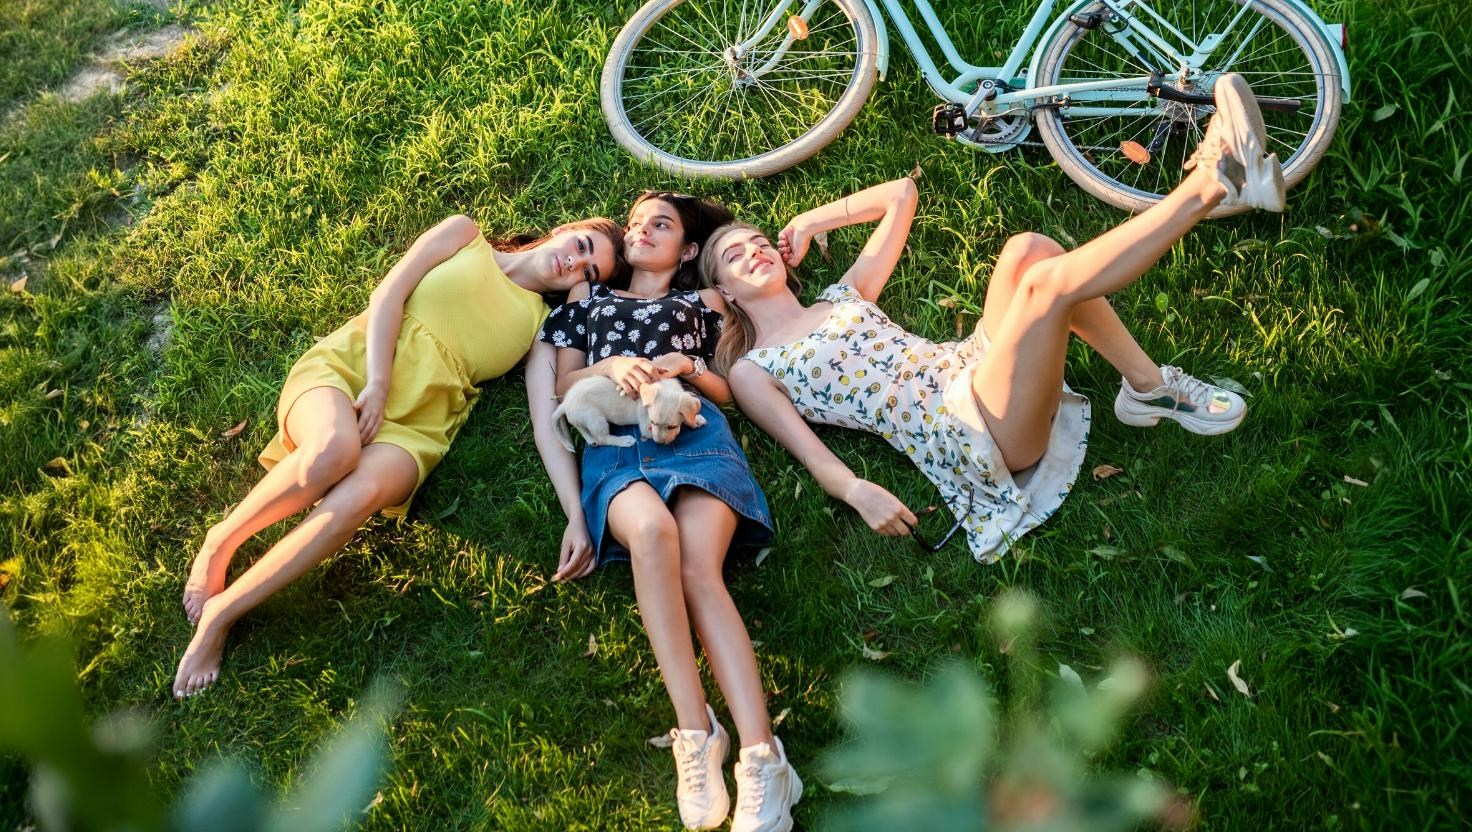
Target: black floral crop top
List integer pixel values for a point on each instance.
(607, 324)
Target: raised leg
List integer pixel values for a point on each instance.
(385, 475)
(641, 521)
(1019, 380)
(706, 526)
(1094, 320)
(324, 427)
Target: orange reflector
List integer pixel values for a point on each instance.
(798, 27)
(1135, 152)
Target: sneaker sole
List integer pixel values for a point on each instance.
(1264, 187)
(1150, 418)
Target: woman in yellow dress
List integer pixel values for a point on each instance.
(367, 412)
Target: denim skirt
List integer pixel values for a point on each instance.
(707, 457)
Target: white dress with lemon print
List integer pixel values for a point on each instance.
(859, 370)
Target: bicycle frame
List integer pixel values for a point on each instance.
(1136, 35)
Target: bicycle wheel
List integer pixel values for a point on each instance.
(679, 92)
(1132, 157)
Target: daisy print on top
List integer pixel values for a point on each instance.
(606, 324)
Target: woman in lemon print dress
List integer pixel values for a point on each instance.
(367, 412)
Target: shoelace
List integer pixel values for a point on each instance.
(1194, 388)
(692, 762)
(755, 787)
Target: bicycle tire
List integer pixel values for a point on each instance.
(1076, 162)
(786, 154)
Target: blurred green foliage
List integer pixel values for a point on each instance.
(96, 779)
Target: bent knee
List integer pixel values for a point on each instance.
(1044, 285)
(1030, 245)
(701, 580)
(331, 460)
(356, 499)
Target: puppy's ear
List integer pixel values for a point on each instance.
(690, 410)
(648, 393)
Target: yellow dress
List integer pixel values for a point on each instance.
(465, 323)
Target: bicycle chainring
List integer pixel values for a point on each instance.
(997, 133)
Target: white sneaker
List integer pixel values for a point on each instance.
(767, 787)
(1234, 147)
(1198, 407)
(701, 788)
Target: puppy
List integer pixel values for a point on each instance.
(594, 403)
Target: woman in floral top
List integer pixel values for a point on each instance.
(988, 420)
(675, 510)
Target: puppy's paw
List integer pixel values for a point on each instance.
(621, 441)
(699, 421)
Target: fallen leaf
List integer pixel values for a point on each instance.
(1333, 708)
(1175, 554)
(1329, 761)
(662, 741)
(59, 464)
(1105, 471)
(20, 285)
(778, 719)
(948, 302)
(762, 555)
(1212, 693)
(1353, 481)
(875, 655)
(377, 799)
(1260, 561)
(1106, 552)
(592, 645)
(821, 238)
(53, 394)
(1071, 678)
(1385, 112)
(1231, 384)
(915, 172)
(1237, 682)
(235, 431)
(1412, 593)
(880, 583)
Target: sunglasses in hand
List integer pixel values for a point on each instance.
(923, 540)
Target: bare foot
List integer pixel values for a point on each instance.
(206, 577)
(200, 666)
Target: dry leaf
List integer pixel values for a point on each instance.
(234, 432)
(880, 583)
(778, 720)
(821, 238)
(1105, 471)
(762, 555)
(1333, 708)
(1412, 593)
(1212, 693)
(1237, 682)
(948, 302)
(592, 645)
(1353, 481)
(875, 655)
(662, 741)
(53, 394)
(59, 464)
(377, 799)
(1135, 152)
(915, 172)
(20, 285)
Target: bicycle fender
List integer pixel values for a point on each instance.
(881, 29)
(1330, 37)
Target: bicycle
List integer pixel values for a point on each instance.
(1119, 89)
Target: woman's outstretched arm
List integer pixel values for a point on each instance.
(576, 556)
(763, 401)
(892, 204)
(386, 311)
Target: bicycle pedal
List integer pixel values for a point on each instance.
(948, 119)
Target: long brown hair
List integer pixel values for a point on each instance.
(614, 232)
(738, 333)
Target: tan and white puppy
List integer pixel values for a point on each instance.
(595, 403)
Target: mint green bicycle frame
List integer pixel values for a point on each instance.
(1138, 34)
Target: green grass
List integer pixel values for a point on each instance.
(278, 164)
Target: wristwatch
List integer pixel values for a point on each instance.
(697, 365)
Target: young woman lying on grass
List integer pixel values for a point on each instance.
(675, 510)
(988, 420)
(367, 412)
